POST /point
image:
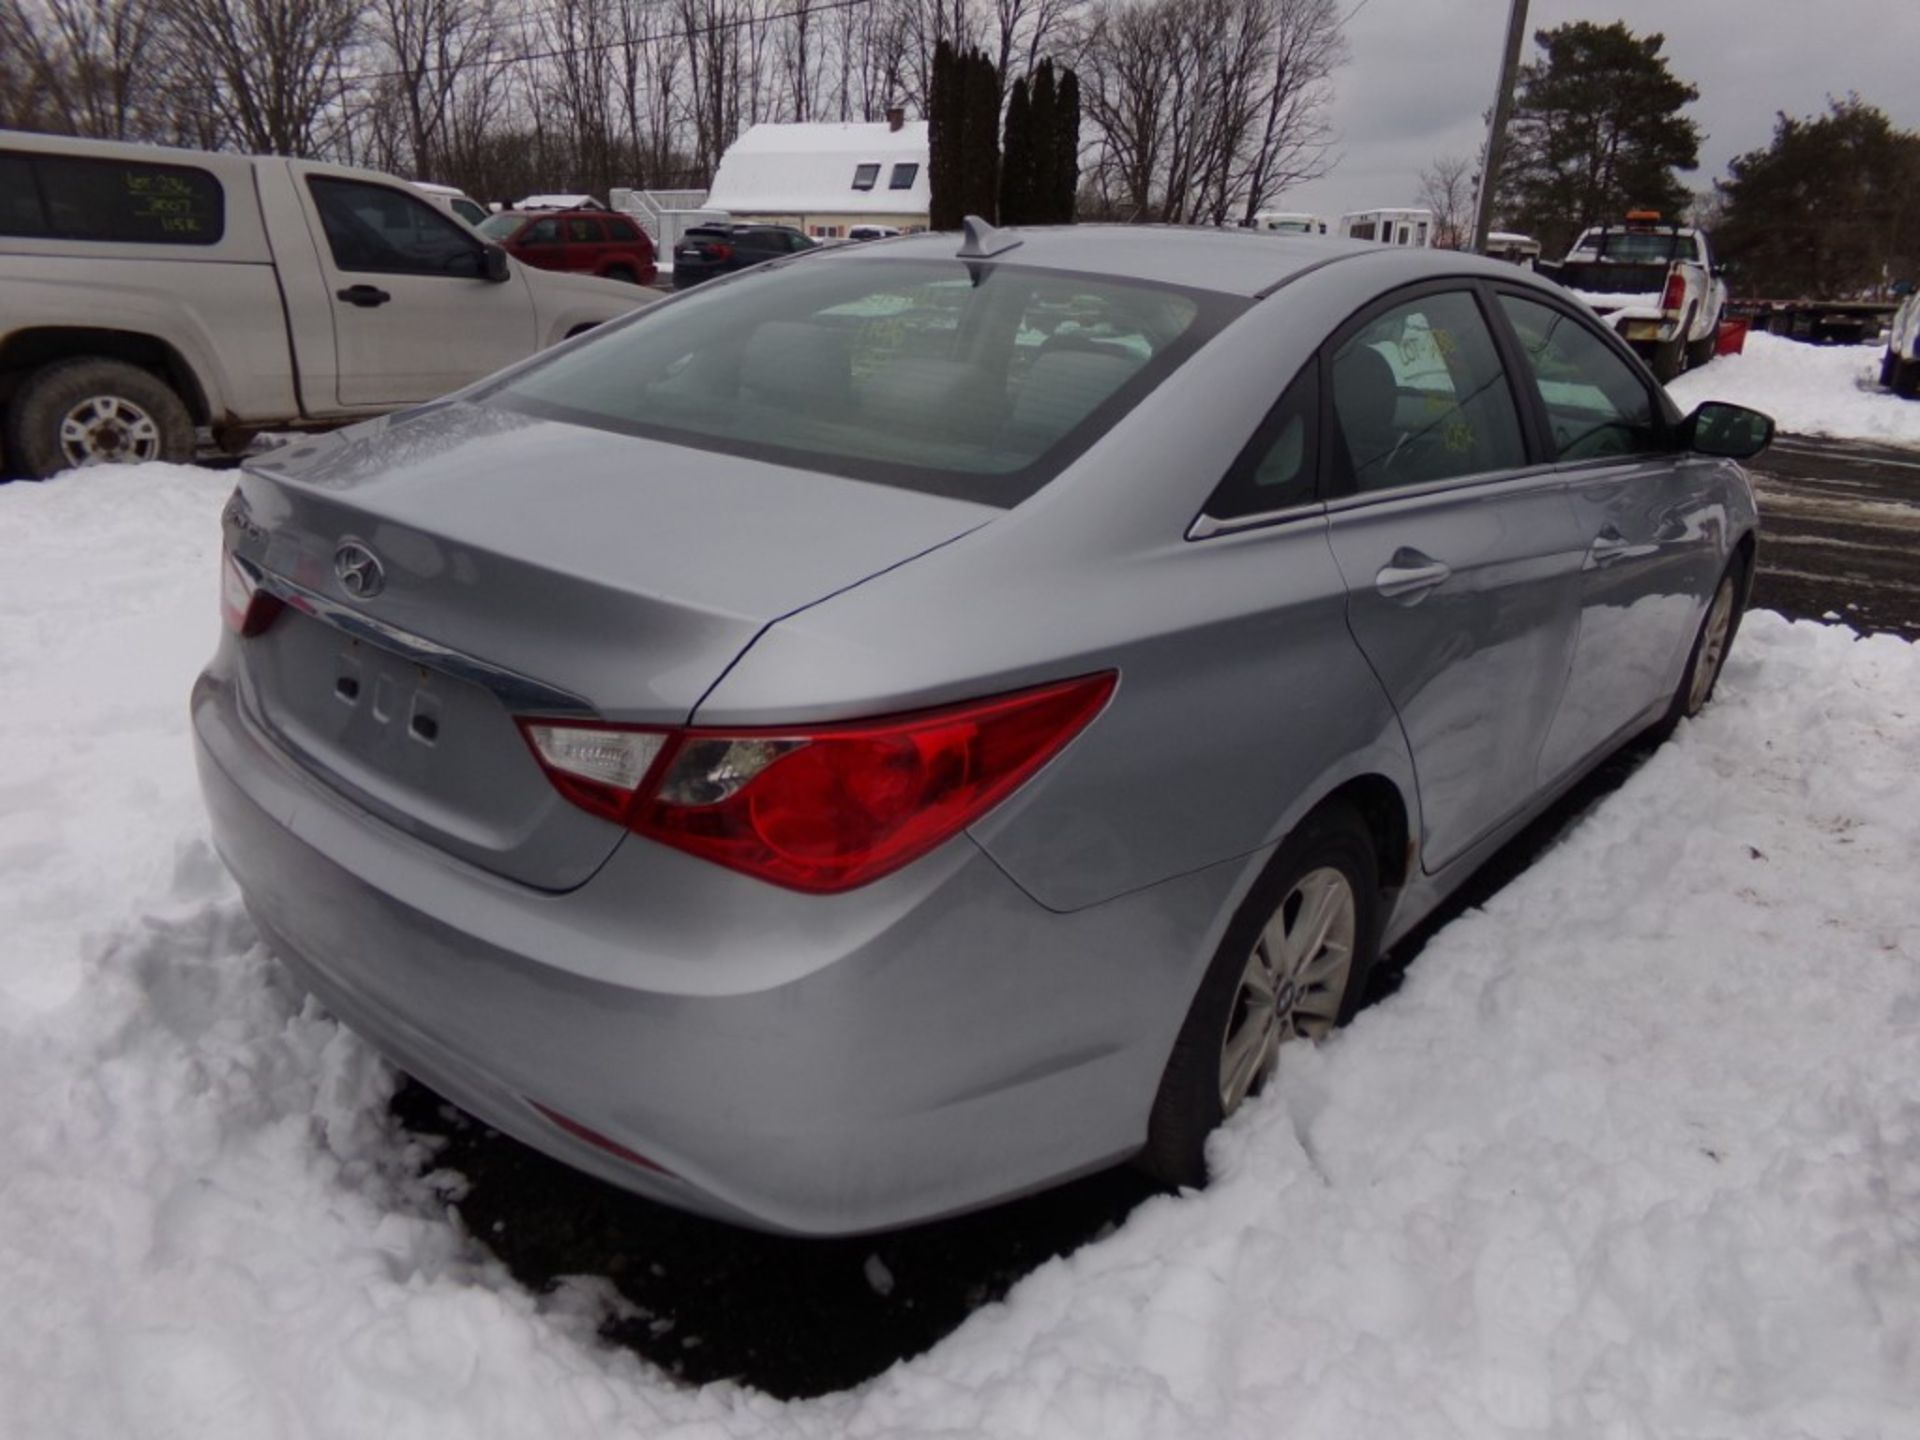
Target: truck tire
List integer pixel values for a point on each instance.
(1889, 363)
(1701, 351)
(1670, 360)
(94, 411)
(1906, 379)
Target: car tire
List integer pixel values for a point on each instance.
(1670, 360)
(1255, 995)
(624, 273)
(1711, 644)
(92, 411)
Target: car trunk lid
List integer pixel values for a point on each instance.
(525, 566)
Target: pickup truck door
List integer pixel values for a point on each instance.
(412, 315)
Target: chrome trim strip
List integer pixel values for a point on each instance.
(517, 692)
(1491, 480)
(1205, 526)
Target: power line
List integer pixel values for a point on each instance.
(623, 42)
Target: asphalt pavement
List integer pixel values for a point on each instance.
(1840, 533)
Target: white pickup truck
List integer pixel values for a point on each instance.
(1657, 285)
(147, 294)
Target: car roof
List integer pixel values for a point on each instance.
(1240, 262)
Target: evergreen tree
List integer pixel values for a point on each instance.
(944, 117)
(1018, 172)
(980, 140)
(1830, 208)
(1063, 174)
(1597, 130)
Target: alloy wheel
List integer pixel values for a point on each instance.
(1294, 981)
(107, 430)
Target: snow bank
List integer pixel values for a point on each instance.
(1634, 1153)
(1808, 389)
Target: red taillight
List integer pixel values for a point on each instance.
(1676, 292)
(718, 252)
(817, 808)
(245, 607)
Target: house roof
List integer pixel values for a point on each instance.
(810, 169)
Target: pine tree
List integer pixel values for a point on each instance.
(1064, 172)
(946, 116)
(1831, 207)
(979, 159)
(1018, 174)
(1040, 163)
(1597, 130)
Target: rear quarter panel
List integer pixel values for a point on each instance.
(1242, 698)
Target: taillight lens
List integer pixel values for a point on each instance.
(719, 252)
(246, 608)
(1676, 292)
(817, 808)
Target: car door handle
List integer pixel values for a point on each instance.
(366, 296)
(1409, 575)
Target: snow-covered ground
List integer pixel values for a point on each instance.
(1808, 389)
(1634, 1153)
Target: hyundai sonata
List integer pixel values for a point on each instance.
(899, 727)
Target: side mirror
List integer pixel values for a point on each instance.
(1730, 431)
(493, 265)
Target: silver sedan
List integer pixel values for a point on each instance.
(902, 726)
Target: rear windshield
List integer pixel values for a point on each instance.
(1633, 245)
(976, 381)
(499, 227)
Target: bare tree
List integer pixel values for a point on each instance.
(1447, 187)
(273, 75)
(87, 63)
(433, 48)
(1204, 110)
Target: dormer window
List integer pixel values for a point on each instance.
(903, 177)
(865, 177)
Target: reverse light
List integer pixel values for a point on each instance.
(1676, 292)
(246, 608)
(822, 809)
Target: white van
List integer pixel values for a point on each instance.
(1289, 222)
(147, 293)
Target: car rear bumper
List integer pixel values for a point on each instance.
(816, 1065)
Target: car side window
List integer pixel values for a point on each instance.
(1419, 394)
(623, 231)
(1276, 468)
(1596, 404)
(582, 230)
(541, 232)
(372, 228)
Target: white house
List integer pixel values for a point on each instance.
(825, 178)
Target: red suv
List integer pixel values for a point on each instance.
(589, 242)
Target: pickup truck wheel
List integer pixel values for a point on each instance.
(1889, 365)
(1906, 379)
(1670, 360)
(94, 411)
(1701, 351)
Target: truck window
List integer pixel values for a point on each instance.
(379, 230)
(69, 198)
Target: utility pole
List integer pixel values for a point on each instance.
(1497, 135)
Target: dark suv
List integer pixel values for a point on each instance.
(588, 242)
(718, 247)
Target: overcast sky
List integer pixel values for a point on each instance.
(1423, 72)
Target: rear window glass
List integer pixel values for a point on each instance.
(500, 227)
(67, 198)
(979, 382)
(1638, 245)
